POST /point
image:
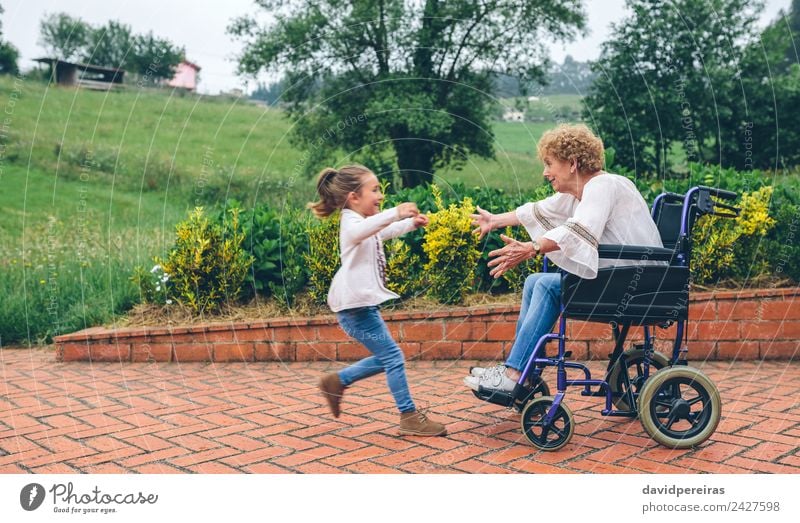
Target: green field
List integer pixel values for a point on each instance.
(143, 158)
(93, 184)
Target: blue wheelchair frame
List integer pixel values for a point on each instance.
(665, 304)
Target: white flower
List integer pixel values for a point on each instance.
(164, 279)
(158, 287)
(169, 302)
(155, 268)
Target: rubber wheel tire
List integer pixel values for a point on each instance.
(562, 427)
(662, 403)
(616, 377)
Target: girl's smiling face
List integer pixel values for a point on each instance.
(367, 200)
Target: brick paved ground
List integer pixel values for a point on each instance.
(269, 418)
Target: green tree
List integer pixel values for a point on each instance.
(154, 59)
(8, 58)
(760, 131)
(399, 84)
(269, 93)
(667, 78)
(63, 36)
(8, 54)
(111, 45)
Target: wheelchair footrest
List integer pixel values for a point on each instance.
(494, 396)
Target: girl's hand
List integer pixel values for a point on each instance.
(483, 222)
(509, 256)
(420, 220)
(407, 210)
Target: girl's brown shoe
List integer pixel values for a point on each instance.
(332, 389)
(417, 424)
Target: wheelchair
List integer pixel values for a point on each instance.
(678, 406)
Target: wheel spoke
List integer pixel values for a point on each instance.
(545, 431)
(676, 390)
(694, 400)
(672, 419)
(557, 431)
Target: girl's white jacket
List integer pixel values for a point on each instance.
(358, 282)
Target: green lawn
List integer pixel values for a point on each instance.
(93, 184)
(149, 155)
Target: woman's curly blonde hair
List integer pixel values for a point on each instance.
(573, 142)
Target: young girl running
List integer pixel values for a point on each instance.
(359, 286)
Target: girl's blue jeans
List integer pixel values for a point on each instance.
(541, 305)
(366, 326)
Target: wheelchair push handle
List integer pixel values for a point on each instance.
(708, 206)
(721, 193)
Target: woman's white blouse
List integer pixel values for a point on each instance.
(359, 281)
(611, 211)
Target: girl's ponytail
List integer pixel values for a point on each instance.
(334, 186)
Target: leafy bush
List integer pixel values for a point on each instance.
(782, 247)
(714, 238)
(404, 273)
(292, 272)
(261, 227)
(451, 250)
(154, 285)
(491, 199)
(322, 258)
(208, 265)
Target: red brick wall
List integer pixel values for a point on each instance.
(743, 325)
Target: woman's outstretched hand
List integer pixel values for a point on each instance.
(420, 220)
(509, 256)
(482, 222)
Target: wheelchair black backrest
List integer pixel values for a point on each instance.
(667, 213)
(648, 294)
(674, 227)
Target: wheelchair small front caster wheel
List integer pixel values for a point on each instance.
(634, 363)
(679, 407)
(547, 437)
(532, 391)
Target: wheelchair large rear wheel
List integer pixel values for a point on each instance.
(553, 436)
(679, 407)
(634, 363)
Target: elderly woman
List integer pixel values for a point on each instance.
(590, 207)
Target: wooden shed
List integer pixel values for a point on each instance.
(83, 75)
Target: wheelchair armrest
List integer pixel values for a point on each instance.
(635, 252)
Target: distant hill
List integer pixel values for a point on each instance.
(571, 77)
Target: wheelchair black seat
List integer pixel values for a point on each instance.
(638, 294)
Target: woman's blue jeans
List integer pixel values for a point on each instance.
(541, 305)
(366, 326)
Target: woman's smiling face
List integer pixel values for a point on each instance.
(558, 175)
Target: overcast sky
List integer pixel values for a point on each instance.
(199, 26)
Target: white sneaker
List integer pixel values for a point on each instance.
(480, 371)
(491, 380)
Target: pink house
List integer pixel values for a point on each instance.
(185, 76)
